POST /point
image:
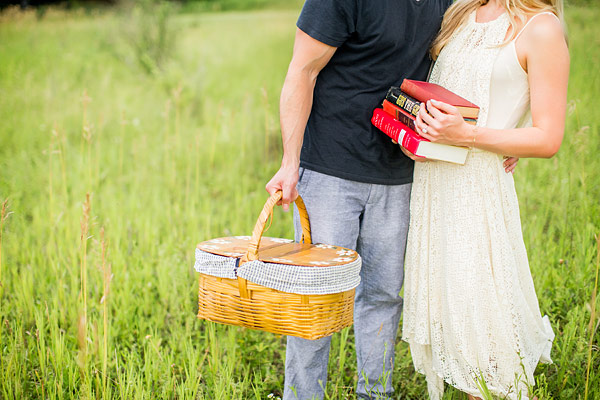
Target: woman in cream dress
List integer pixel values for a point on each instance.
(471, 313)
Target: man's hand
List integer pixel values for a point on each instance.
(409, 154)
(285, 180)
(510, 163)
(412, 156)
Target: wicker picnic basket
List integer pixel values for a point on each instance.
(276, 285)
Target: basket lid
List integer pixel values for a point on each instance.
(281, 251)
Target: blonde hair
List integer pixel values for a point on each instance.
(517, 10)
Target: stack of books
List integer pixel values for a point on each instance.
(397, 116)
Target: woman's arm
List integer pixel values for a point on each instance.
(543, 48)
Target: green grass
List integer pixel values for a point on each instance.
(175, 149)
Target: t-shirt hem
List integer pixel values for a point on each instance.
(357, 178)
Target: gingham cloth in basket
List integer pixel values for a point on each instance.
(340, 274)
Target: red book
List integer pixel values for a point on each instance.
(424, 91)
(414, 142)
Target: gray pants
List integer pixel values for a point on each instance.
(372, 219)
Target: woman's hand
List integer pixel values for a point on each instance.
(443, 124)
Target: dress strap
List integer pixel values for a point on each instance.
(531, 19)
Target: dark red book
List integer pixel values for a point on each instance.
(414, 142)
(399, 114)
(423, 91)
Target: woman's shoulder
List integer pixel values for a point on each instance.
(545, 26)
(542, 43)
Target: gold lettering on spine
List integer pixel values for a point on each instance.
(415, 109)
(401, 100)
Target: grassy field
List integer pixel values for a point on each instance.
(128, 136)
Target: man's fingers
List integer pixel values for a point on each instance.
(285, 180)
(508, 161)
(271, 188)
(289, 196)
(509, 164)
(412, 156)
(273, 185)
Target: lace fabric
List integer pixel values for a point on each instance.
(471, 312)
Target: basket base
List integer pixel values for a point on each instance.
(305, 316)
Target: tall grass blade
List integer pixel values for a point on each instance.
(106, 279)
(4, 213)
(592, 325)
(83, 320)
(3, 216)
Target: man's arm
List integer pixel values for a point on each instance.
(309, 58)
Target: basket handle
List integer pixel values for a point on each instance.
(267, 211)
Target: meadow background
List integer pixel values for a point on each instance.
(130, 133)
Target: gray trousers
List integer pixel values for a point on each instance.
(373, 220)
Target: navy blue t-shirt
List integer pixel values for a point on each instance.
(380, 42)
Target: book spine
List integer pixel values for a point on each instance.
(403, 100)
(395, 129)
(422, 94)
(399, 114)
(411, 141)
(384, 122)
(415, 91)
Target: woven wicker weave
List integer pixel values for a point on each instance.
(248, 304)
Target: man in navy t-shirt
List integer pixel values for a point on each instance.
(354, 181)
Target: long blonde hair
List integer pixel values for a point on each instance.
(517, 10)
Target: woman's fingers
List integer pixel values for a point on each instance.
(419, 124)
(441, 107)
(424, 129)
(427, 118)
(433, 110)
(422, 126)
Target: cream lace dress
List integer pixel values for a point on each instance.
(471, 311)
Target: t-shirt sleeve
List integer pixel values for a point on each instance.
(328, 21)
(448, 4)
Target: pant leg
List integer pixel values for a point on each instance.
(378, 305)
(334, 207)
